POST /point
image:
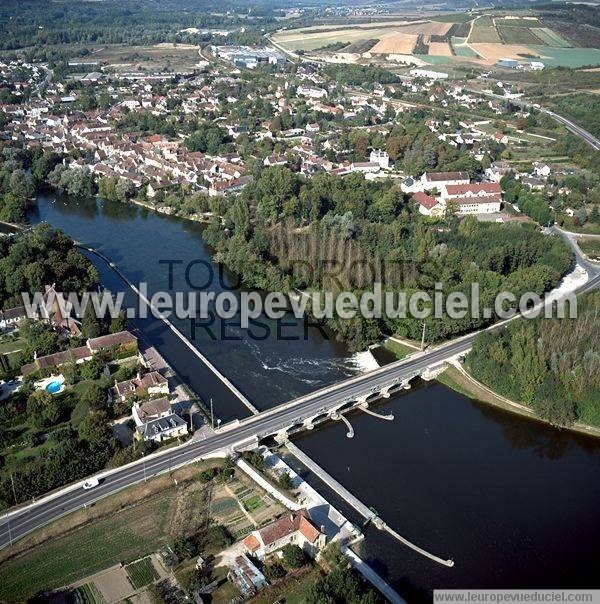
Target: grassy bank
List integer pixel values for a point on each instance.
(399, 349)
(467, 386)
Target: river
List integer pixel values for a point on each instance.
(514, 503)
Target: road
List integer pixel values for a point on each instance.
(22, 521)
(574, 128)
(568, 124)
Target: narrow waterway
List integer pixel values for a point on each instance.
(514, 503)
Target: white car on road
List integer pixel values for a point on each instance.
(90, 483)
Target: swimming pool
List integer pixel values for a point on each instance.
(53, 387)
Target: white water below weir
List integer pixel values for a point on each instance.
(358, 505)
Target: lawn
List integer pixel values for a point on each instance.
(8, 345)
(127, 535)
(141, 573)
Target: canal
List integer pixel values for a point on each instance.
(514, 503)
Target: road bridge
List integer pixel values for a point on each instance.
(22, 520)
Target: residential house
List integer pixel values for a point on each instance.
(11, 317)
(155, 421)
(380, 157)
(139, 387)
(428, 205)
(296, 528)
(436, 180)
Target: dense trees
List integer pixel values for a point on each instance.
(39, 257)
(552, 365)
(329, 233)
(75, 181)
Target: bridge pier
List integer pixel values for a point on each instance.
(385, 391)
(340, 417)
(389, 417)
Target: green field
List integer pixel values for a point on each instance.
(550, 37)
(141, 573)
(568, 57)
(253, 503)
(516, 22)
(517, 35)
(483, 33)
(454, 18)
(462, 50)
(435, 59)
(128, 535)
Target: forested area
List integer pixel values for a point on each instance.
(41, 256)
(29, 23)
(335, 234)
(551, 365)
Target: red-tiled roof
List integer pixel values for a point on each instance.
(427, 201)
(488, 188)
(288, 524)
(252, 543)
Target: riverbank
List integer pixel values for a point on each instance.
(460, 380)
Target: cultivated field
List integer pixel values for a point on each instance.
(483, 39)
(401, 44)
(550, 37)
(484, 32)
(518, 35)
(428, 28)
(440, 49)
(311, 40)
(491, 53)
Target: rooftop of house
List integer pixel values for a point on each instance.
(161, 425)
(153, 378)
(153, 409)
(284, 526)
(442, 176)
(112, 339)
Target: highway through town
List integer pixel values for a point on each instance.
(22, 521)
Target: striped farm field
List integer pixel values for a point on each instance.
(550, 37)
(517, 35)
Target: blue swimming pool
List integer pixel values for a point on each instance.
(53, 387)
